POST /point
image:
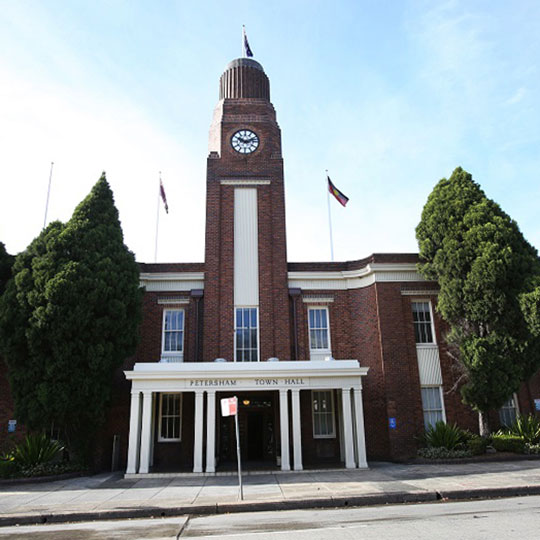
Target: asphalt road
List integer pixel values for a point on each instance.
(516, 518)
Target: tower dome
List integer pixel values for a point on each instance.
(244, 78)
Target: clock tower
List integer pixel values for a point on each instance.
(246, 313)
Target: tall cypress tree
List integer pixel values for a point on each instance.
(488, 276)
(76, 300)
(6, 262)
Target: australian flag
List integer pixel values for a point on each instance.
(247, 48)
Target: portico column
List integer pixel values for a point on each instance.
(360, 435)
(211, 432)
(297, 432)
(284, 428)
(198, 439)
(146, 431)
(134, 431)
(347, 428)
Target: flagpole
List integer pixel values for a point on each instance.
(329, 219)
(48, 193)
(157, 219)
(243, 38)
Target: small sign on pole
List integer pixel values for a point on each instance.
(229, 407)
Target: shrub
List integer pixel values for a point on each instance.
(443, 435)
(526, 427)
(476, 444)
(532, 448)
(46, 469)
(36, 449)
(443, 453)
(8, 467)
(504, 442)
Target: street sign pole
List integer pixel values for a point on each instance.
(229, 407)
(238, 456)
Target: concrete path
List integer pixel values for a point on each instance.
(110, 496)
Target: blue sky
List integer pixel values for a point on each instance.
(389, 96)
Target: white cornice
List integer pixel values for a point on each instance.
(245, 370)
(245, 182)
(355, 279)
(172, 281)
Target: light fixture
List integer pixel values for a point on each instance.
(246, 402)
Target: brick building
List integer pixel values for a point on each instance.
(331, 362)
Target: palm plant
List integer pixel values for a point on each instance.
(36, 449)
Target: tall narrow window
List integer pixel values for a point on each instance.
(173, 335)
(423, 330)
(319, 330)
(432, 405)
(247, 339)
(322, 402)
(170, 417)
(508, 412)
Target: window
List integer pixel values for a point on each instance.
(173, 335)
(423, 329)
(432, 405)
(322, 402)
(170, 417)
(319, 332)
(247, 339)
(508, 412)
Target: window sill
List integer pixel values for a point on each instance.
(172, 358)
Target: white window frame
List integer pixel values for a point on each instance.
(514, 399)
(328, 350)
(441, 397)
(432, 324)
(172, 356)
(256, 308)
(313, 413)
(170, 439)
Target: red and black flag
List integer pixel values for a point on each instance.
(342, 199)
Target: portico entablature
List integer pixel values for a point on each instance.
(257, 376)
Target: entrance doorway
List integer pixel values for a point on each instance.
(257, 434)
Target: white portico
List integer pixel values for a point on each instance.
(205, 379)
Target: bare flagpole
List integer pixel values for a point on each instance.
(329, 219)
(243, 38)
(48, 193)
(157, 218)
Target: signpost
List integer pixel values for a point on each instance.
(229, 407)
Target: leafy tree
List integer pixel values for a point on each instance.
(69, 318)
(6, 262)
(489, 278)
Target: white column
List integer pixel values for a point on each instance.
(211, 432)
(198, 439)
(360, 435)
(153, 432)
(134, 431)
(146, 432)
(347, 428)
(297, 433)
(284, 428)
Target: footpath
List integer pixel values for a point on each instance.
(111, 496)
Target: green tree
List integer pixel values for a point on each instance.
(488, 276)
(6, 262)
(69, 318)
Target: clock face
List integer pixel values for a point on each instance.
(245, 141)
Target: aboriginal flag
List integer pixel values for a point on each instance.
(342, 199)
